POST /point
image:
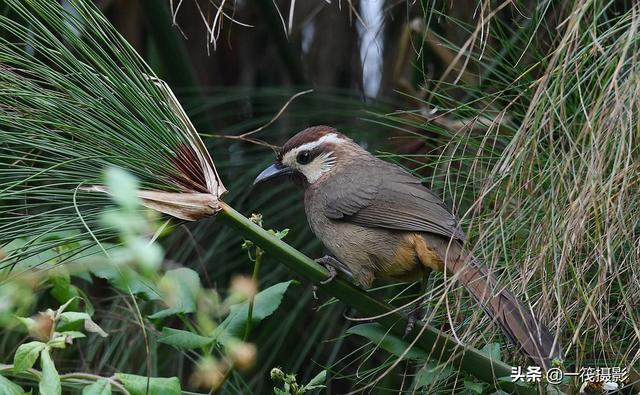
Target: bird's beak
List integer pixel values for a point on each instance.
(273, 171)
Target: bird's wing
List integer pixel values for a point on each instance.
(389, 198)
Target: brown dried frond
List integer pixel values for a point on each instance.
(189, 175)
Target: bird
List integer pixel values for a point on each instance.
(379, 222)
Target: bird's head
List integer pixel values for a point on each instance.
(311, 155)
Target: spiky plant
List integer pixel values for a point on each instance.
(76, 99)
(535, 140)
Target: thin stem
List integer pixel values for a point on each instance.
(36, 375)
(94, 377)
(245, 136)
(31, 373)
(254, 279)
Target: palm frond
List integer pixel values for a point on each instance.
(75, 99)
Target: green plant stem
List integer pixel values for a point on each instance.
(94, 377)
(254, 278)
(68, 379)
(439, 345)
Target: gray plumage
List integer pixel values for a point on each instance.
(388, 197)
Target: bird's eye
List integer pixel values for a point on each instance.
(304, 157)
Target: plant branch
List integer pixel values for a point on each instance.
(439, 345)
(69, 378)
(254, 278)
(245, 136)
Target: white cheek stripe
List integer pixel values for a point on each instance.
(327, 160)
(319, 166)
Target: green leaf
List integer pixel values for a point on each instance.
(32, 260)
(509, 379)
(265, 303)
(553, 390)
(430, 374)
(89, 325)
(180, 288)
(123, 187)
(28, 322)
(137, 385)
(147, 255)
(471, 386)
(183, 340)
(100, 387)
(88, 307)
(58, 342)
(317, 382)
(9, 388)
(62, 289)
(281, 234)
(26, 355)
(73, 334)
(125, 278)
(379, 336)
(66, 304)
(492, 350)
(50, 380)
(73, 316)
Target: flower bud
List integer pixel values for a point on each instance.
(243, 287)
(277, 374)
(42, 325)
(242, 355)
(209, 374)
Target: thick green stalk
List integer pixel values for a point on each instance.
(440, 345)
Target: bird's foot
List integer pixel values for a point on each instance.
(415, 314)
(413, 317)
(333, 265)
(332, 274)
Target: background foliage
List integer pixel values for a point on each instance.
(522, 115)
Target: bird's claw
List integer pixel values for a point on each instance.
(332, 265)
(332, 274)
(411, 322)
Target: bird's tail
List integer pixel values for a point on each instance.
(516, 321)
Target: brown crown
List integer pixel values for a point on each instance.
(306, 136)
